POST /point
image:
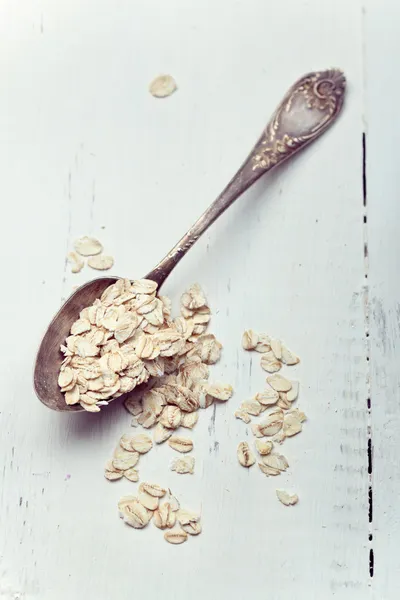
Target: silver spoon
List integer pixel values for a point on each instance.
(308, 109)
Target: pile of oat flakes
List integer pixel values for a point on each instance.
(128, 338)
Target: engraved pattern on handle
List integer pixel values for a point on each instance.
(304, 114)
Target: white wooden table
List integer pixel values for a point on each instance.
(85, 149)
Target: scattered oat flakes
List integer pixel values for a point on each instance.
(286, 498)
(100, 262)
(245, 455)
(88, 246)
(181, 444)
(162, 86)
(183, 465)
(77, 263)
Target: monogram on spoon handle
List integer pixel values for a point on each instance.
(310, 106)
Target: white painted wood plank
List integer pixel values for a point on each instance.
(85, 147)
(383, 211)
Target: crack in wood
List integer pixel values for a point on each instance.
(366, 316)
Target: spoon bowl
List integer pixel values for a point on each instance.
(49, 357)
(310, 106)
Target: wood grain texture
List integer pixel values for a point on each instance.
(88, 151)
(383, 212)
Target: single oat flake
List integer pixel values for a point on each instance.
(162, 86)
(291, 425)
(286, 498)
(249, 339)
(88, 246)
(263, 448)
(183, 465)
(252, 407)
(180, 444)
(133, 512)
(150, 502)
(267, 398)
(279, 383)
(272, 424)
(270, 363)
(243, 415)
(161, 433)
(292, 394)
(275, 461)
(245, 455)
(111, 473)
(131, 474)
(288, 358)
(100, 262)
(220, 391)
(141, 443)
(153, 489)
(189, 420)
(77, 263)
(164, 517)
(176, 536)
(190, 522)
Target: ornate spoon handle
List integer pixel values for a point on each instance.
(308, 109)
